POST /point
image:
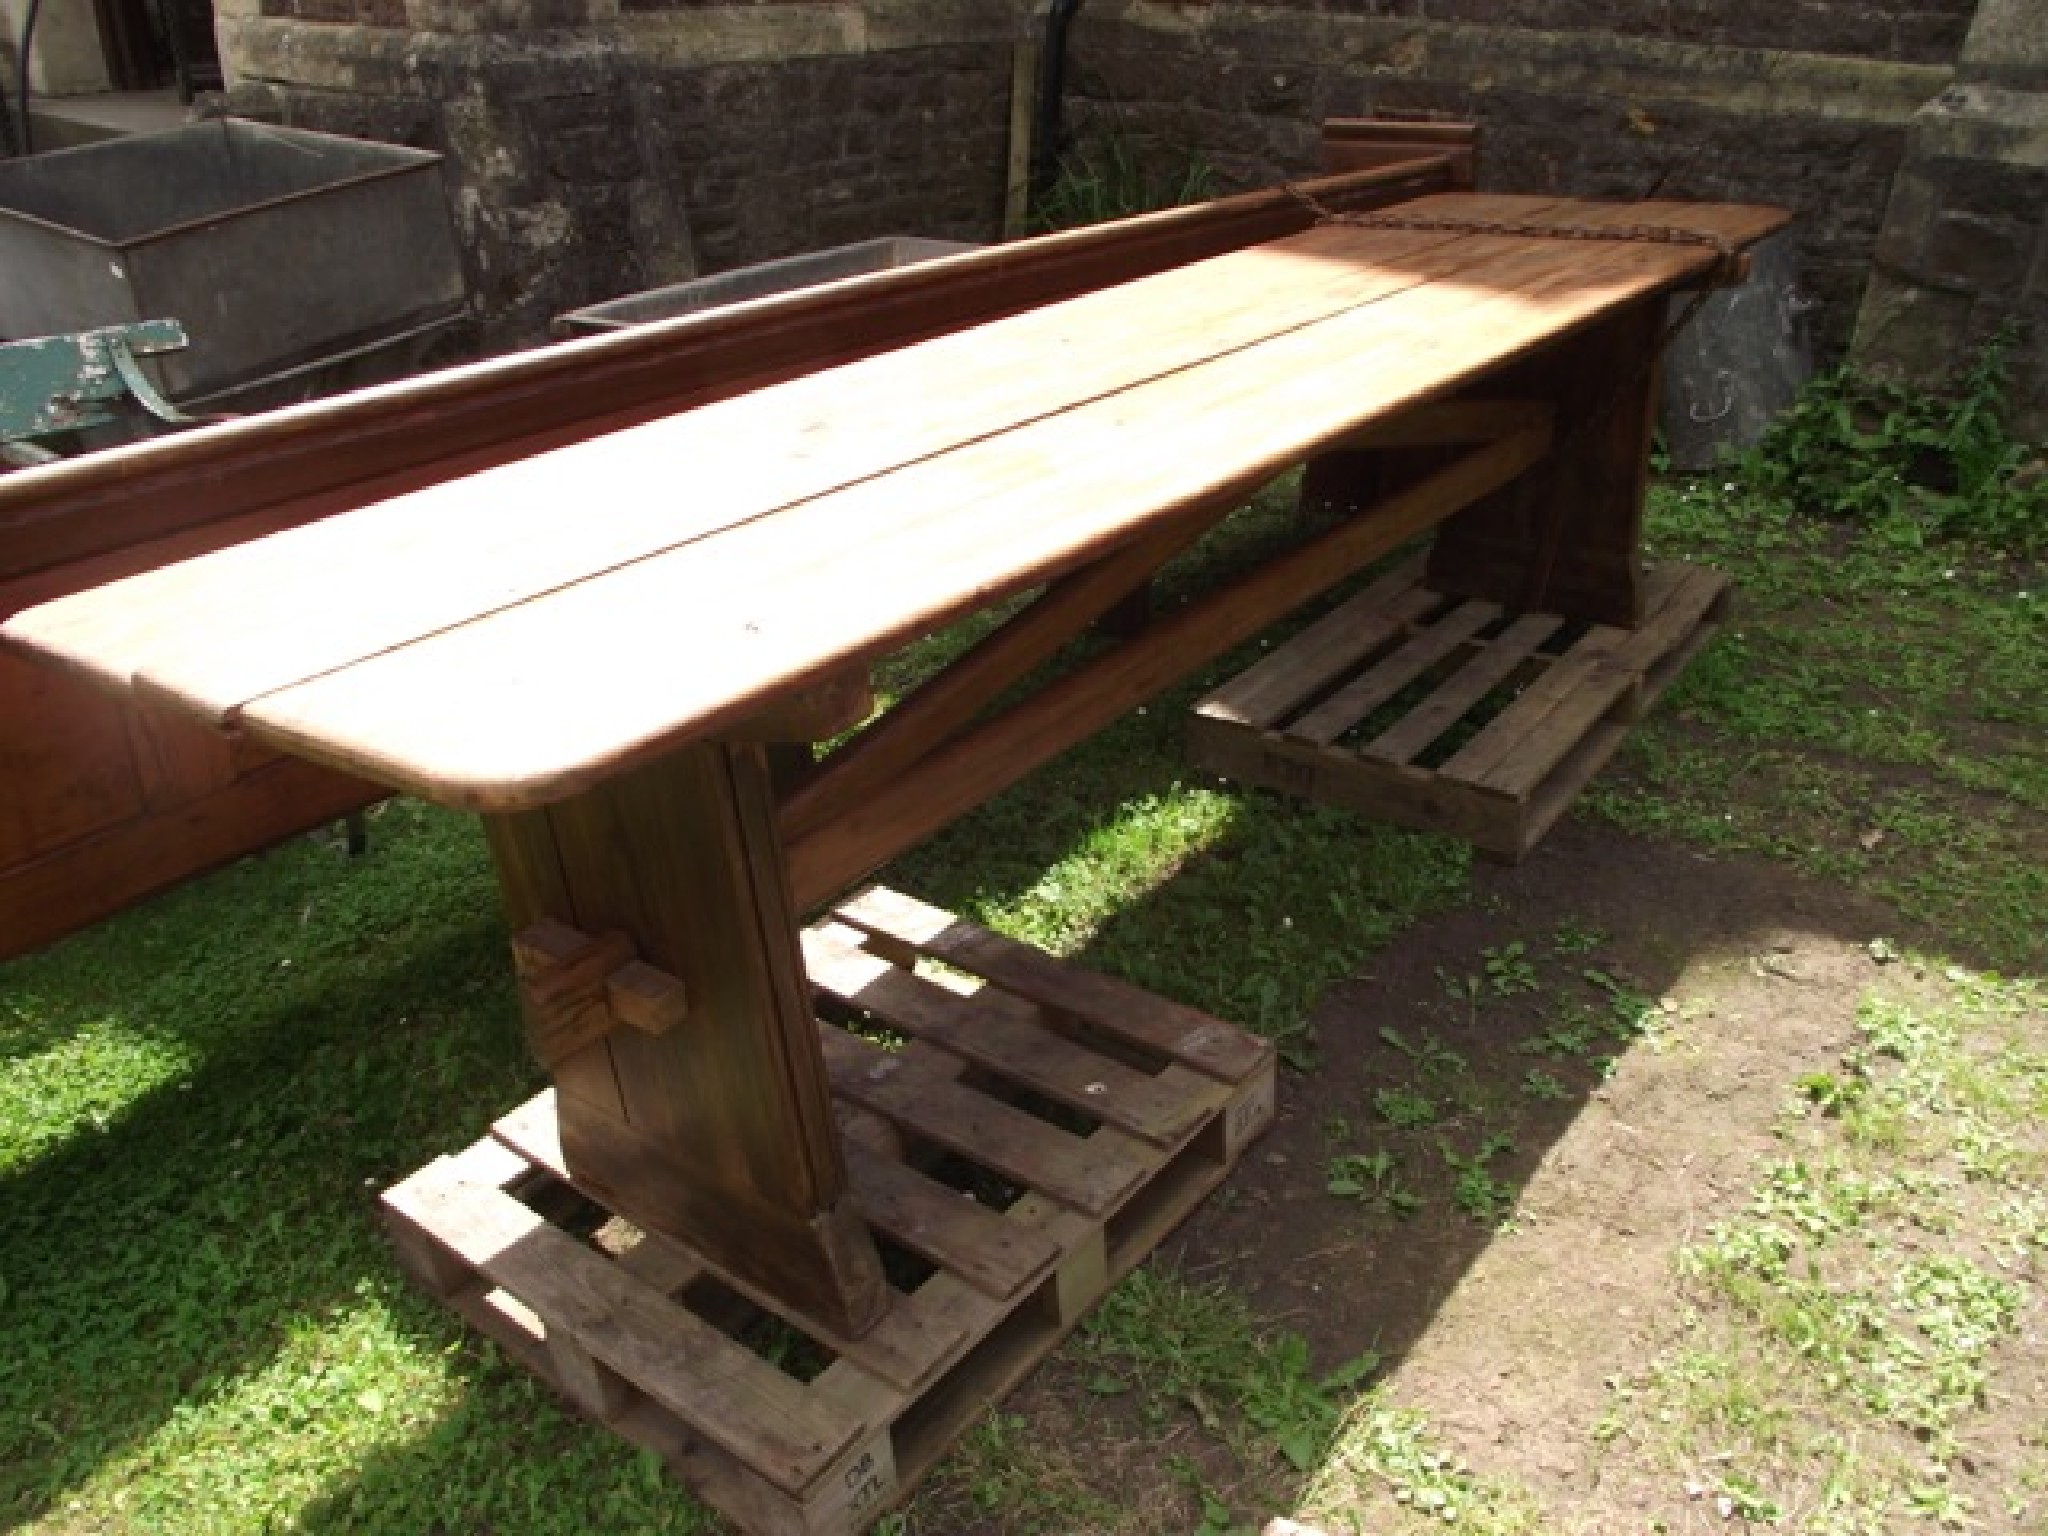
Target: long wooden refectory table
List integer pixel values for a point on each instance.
(596, 646)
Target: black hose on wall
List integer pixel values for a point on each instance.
(28, 37)
(1052, 90)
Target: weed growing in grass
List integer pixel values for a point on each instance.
(1193, 1347)
(1478, 1192)
(1373, 1178)
(1830, 1094)
(1569, 1035)
(1631, 1015)
(1508, 969)
(1572, 939)
(1433, 1060)
(1910, 463)
(1384, 1447)
(1467, 990)
(1001, 1468)
(1217, 1518)
(1113, 175)
(1404, 1108)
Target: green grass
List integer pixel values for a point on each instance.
(1873, 715)
(1843, 1328)
(201, 1329)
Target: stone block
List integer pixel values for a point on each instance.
(1973, 254)
(1985, 123)
(2028, 394)
(257, 100)
(1803, 26)
(1277, 89)
(506, 15)
(585, 139)
(1910, 332)
(1909, 217)
(1931, 36)
(2008, 45)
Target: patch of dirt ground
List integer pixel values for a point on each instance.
(1507, 1340)
(1631, 1017)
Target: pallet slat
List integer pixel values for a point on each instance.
(1091, 1174)
(1129, 1013)
(913, 1339)
(624, 1326)
(1526, 740)
(1505, 785)
(1326, 649)
(1682, 601)
(691, 1369)
(946, 1228)
(1480, 675)
(993, 1030)
(999, 1258)
(1367, 692)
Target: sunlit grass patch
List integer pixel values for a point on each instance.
(1848, 1325)
(1387, 1471)
(1872, 715)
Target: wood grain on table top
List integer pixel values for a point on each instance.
(507, 638)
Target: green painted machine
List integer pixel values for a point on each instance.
(54, 386)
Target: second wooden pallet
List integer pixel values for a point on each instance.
(1453, 716)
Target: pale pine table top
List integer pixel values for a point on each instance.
(507, 638)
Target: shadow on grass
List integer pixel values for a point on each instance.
(1450, 1066)
(169, 1242)
(508, 1456)
(152, 1262)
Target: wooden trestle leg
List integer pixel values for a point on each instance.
(1567, 537)
(665, 991)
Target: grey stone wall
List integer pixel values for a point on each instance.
(598, 148)
(820, 152)
(1799, 102)
(1964, 250)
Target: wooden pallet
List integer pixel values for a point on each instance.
(1036, 1134)
(1453, 716)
